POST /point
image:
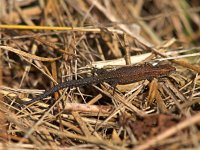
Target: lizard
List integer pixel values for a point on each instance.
(123, 75)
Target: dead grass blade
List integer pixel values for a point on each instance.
(30, 56)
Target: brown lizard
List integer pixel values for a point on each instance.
(123, 75)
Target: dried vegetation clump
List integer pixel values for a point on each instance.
(161, 113)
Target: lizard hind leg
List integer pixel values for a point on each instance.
(114, 87)
(111, 89)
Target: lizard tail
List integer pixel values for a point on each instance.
(69, 84)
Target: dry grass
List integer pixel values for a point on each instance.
(47, 42)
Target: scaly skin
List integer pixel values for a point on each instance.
(123, 75)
